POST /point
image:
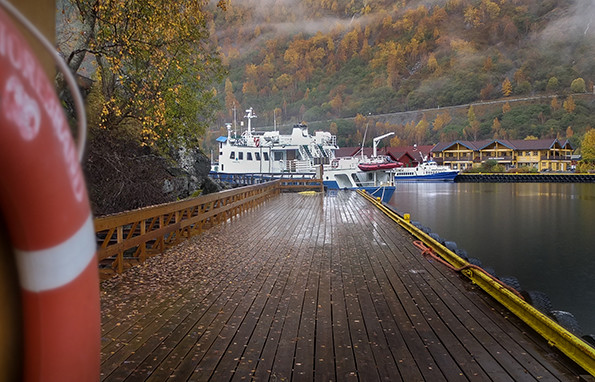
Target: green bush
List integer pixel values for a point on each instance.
(489, 166)
(578, 86)
(523, 170)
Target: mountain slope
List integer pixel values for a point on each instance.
(323, 59)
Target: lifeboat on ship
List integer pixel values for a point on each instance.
(371, 166)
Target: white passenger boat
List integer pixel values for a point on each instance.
(425, 171)
(271, 155)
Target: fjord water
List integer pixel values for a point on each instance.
(541, 233)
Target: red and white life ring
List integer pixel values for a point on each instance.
(256, 141)
(44, 202)
(335, 163)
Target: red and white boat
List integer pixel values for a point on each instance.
(375, 166)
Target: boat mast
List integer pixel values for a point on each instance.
(364, 140)
(249, 115)
(235, 130)
(228, 127)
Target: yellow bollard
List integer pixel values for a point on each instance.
(407, 218)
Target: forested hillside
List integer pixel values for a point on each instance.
(325, 60)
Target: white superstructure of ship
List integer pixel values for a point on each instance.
(300, 154)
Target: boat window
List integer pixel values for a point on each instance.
(232, 155)
(248, 156)
(278, 155)
(240, 155)
(257, 156)
(265, 156)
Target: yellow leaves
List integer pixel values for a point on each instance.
(490, 9)
(555, 105)
(462, 46)
(433, 63)
(588, 145)
(498, 132)
(506, 87)
(472, 16)
(222, 4)
(442, 119)
(569, 104)
(156, 67)
(506, 108)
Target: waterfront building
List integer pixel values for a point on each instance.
(542, 154)
(410, 156)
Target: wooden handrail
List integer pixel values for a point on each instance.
(127, 238)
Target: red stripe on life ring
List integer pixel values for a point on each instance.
(45, 205)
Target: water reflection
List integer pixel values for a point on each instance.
(541, 233)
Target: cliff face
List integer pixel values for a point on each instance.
(121, 175)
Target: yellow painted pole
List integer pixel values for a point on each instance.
(575, 348)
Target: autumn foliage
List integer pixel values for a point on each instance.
(319, 60)
(152, 61)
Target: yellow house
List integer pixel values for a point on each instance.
(542, 154)
(458, 155)
(498, 151)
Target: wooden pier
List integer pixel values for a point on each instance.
(312, 288)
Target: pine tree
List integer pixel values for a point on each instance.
(569, 105)
(506, 87)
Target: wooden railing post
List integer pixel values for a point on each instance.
(120, 258)
(162, 240)
(143, 246)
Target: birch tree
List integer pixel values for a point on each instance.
(152, 60)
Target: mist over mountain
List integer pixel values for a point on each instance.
(326, 60)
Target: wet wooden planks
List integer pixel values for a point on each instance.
(311, 288)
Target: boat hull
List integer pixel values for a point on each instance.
(253, 178)
(438, 177)
(383, 192)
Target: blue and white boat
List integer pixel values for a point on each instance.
(425, 171)
(271, 155)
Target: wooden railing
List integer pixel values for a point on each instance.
(128, 238)
(301, 184)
